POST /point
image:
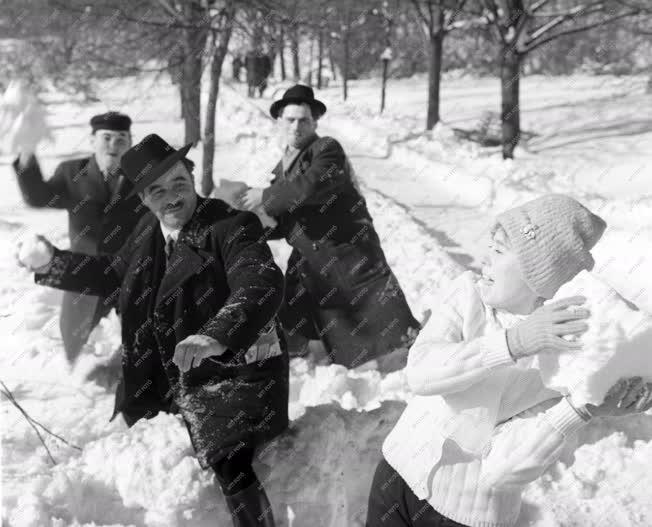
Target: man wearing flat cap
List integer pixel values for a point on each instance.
(198, 290)
(92, 190)
(340, 289)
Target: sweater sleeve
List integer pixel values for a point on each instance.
(523, 448)
(443, 359)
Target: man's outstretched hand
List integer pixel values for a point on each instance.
(192, 350)
(252, 198)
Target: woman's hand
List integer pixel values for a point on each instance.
(544, 329)
(627, 396)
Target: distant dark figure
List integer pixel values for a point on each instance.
(237, 66)
(259, 67)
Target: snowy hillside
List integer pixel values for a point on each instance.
(432, 197)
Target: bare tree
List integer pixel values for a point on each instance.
(221, 34)
(437, 18)
(522, 26)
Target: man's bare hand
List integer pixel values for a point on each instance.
(192, 350)
(252, 198)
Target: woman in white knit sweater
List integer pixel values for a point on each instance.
(481, 425)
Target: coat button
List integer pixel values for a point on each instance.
(314, 246)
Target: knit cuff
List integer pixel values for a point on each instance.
(496, 350)
(564, 418)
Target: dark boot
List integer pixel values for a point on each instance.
(250, 507)
(297, 345)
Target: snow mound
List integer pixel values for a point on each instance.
(319, 478)
(361, 390)
(618, 344)
(608, 485)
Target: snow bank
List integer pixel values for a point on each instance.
(608, 485)
(617, 345)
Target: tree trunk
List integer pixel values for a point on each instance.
(273, 49)
(320, 56)
(191, 70)
(347, 53)
(181, 99)
(510, 113)
(309, 75)
(294, 46)
(220, 47)
(435, 48)
(281, 52)
(332, 61)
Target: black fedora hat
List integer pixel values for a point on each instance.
(298, 94)
(147, 161)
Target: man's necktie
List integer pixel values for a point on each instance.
(169, 248)
(111, 182)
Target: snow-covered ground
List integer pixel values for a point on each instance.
(432, 197)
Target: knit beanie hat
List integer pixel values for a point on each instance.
(552, 236)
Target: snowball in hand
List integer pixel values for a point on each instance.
(34, 252)
(23, 123)
(617, 345)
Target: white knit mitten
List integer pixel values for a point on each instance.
(545, 328)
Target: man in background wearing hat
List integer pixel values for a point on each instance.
(339, 288)
(198, 290)
(92, 190)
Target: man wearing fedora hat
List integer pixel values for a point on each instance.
(91, 190)
(339, 288)
(198, 291)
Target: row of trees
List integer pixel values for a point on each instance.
(74, 42)
(496, 36)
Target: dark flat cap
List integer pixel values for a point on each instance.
(117, 121)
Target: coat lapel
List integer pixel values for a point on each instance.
(278, 170)
(96, 181)
(296, 161)
(184, 263)
(188, 257)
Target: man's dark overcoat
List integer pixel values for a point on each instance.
(220, 281)
(339, 286)
(100, 220)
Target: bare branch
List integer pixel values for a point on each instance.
(171, 10)
(450, 24)
(560, 19)
(533, 45)
(495, 20)
(538, 5)
(421, 14)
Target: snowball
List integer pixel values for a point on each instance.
(23, 123)
(34, 252)
(618, 344)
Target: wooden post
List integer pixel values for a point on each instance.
(385, 57)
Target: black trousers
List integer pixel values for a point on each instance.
(393, 504)
(234, 471)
